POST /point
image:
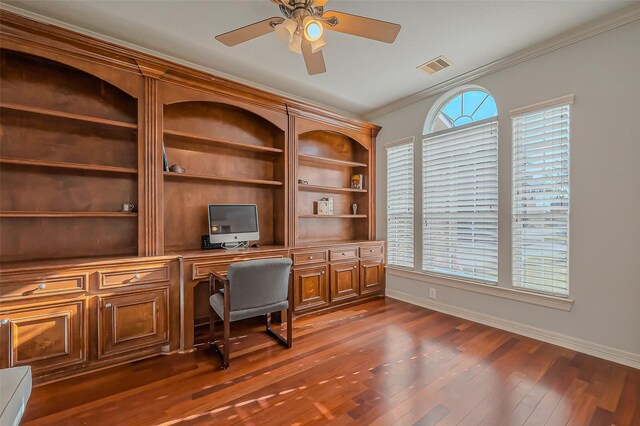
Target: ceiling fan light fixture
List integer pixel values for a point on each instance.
(295, 45)
(286, 30)
(312, 28)
(317, 45)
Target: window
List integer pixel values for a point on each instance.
(540, 199)
(460, 189)
(464, 108)
(400, 204)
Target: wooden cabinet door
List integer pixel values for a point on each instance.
(310, 288)
(130, 321)
(344, 281)
(371, 276)
(45, 337)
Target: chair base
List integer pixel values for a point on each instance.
(223, 353)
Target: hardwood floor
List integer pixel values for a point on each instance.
(383, 362)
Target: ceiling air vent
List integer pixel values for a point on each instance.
(435, 65)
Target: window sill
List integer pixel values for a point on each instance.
(554, 302)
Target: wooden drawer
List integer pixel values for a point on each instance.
(343, 253)
(201, 269)
(309, 257)
(372, 251)
(133, 276)
(34, 287)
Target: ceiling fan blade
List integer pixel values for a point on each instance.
(313, 61)
(249, 32)
(363, 27)
(320, 3)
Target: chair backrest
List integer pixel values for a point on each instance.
(257, 283)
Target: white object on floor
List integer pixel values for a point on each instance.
(15, 390)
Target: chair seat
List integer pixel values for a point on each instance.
(15, 390)
(217, 303)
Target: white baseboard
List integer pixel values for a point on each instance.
(594, 349)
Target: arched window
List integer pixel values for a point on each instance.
(463, 108)
(460, 187)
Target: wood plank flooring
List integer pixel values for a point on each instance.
(384, 362)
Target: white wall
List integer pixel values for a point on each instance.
(604, 74)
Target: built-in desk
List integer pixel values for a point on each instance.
(196, 266)
(325, 275)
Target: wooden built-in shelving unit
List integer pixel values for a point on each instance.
(231, 156)
(68, 162)
(327, 159)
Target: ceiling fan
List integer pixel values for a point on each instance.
(303, 25)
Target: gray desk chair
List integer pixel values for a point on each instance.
(251, 289)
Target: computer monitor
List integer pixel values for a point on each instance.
(230, 223)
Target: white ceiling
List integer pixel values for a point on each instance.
(362, 75)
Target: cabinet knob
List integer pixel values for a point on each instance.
(344, 254)
(42, 286)
(310, 257)
(136, 277)
(4, 321)
(354, 267)
(108, 305)
(322, 272)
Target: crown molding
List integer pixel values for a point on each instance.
(583, 32)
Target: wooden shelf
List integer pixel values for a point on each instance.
(65, 214)
(70, 166)
(333, 216)
(68, 115)
(318, 188)
(214, 141)
(247, 181)
(324, 160)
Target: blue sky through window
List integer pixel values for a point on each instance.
(465, 108)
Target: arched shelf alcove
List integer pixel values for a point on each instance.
(230, 156)
(69, 140)
(327, 164)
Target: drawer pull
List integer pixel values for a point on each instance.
(108, 305)
(310, 257)
(354, 267)
(136, 277)
(4, 321)
(344, 254)
(42, 286)
(322, 272)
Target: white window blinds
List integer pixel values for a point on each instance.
(540, 201)
(400, 204)
(460, 202)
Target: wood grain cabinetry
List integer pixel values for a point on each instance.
(86, 283)
(45, 336)
(68, 323)
(344, 281)
(310, 288)
(133, 320)
(371, 276)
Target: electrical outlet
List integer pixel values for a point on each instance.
(432, 293)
